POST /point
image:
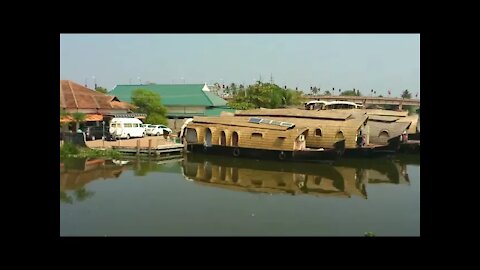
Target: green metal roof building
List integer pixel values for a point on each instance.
(181, 100)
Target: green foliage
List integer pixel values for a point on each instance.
(411, 109)
(155, 118)
(150, 103)
(71, 150)
(63, 113)
(327, 93)
(82, 194)
(92, 152)
(265, 95)
(78, 117)
(241, 105)
(350, 93)
(64, 197)
(101, 90)
(406, 94)
(68, 149)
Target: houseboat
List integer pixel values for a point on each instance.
(255, 137)
(327, 127)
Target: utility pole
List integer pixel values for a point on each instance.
(271, 78)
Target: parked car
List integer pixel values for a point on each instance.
(93, 133)
(158, 130)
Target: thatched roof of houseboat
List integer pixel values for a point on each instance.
(235, 121)
(393, 129)
(385, 112)
(323, 114)
(382, 118)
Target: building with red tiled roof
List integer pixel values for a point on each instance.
(97, 106)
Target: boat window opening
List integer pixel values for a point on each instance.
(383, 134)
(257, 135)
(208, 137)
(223, 138)
(235, 139)
(191, 135)
(318, 132)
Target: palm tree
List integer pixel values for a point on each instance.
(406, 94)
(78, 117)
(63, 114)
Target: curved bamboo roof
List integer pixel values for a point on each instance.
(298, 113)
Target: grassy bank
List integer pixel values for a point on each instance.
(68, 150)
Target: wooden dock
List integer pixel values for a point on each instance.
(161, 150)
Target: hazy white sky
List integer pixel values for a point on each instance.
(363, 61)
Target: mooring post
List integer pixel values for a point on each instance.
(149, 146)
(138, 147)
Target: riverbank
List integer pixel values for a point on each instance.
(99, 148)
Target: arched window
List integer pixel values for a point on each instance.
(235, 139)
(208, 137)
(318, 132)
(383, 134)
(223, 138)
(191, 135)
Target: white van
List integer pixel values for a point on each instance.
(126, 128)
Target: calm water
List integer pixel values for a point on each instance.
(210, 196)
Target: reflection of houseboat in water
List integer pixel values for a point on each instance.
(345, 179)
(263, 177)
(375, 171)
(256, 137)
(78, 172)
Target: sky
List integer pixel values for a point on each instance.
(380, 62)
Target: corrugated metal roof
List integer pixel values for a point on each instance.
(173, 94)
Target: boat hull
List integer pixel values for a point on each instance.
(388, 150)
(325, 156)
